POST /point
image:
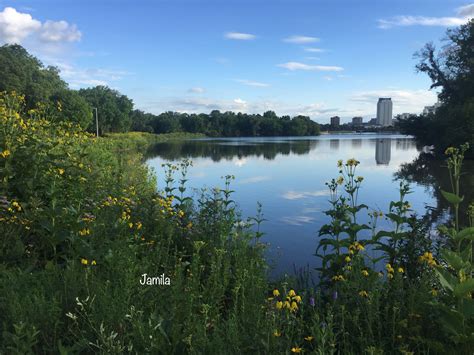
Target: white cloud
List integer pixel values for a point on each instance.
(464, 14)
(297, 195)
(301, 66)
(255, 179)
(79, 77)
(412, 101)
(297, 220)
(239, 36)
(59, 31)
(252, 83)
(314, 50)
(16, 26)
(466, 11)
(196, 90)
(301, 39)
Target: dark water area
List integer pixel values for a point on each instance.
(287, 175)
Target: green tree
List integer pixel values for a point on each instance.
(25, 74)
(113, 108)
(452, 71)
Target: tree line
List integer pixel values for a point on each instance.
(23, 73)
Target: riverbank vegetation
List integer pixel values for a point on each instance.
(452, 71)
(82, 221)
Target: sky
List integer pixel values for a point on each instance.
(316, 58)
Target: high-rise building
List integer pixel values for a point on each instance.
(335, 121)
(384, 111)
(357, 121)
(383, 148)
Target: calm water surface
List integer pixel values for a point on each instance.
(287, 175)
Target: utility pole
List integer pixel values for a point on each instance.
(96, 122)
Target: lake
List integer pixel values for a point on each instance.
(287, 175)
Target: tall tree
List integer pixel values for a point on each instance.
(113, 108)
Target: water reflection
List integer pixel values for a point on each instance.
(288, 175)
(383, 148)
(271, 148)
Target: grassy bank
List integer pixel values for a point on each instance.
(81, 222)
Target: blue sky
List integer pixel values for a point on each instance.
(317, 58)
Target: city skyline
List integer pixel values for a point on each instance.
(318, 60)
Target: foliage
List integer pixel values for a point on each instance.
(113, 108)
(452, 70)
(23, 73)
(82, 222)
(225, 124)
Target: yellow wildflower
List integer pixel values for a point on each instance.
(130, 225)
(60, 171)
(292, 293)
(365, 273)
(138, 225)
(340, 180)
(296, 349)
(279, 305)
(293, 306)
(276, 333)
(339, 163)
(5, 153)
(297, 299)
(84, 231)
(309, 338)
(84, 261)
(276, 293)
(347, 259)
(434, 292)
(93, 262)
(400, 270)
(363, 294)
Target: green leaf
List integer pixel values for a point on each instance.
(466, 233)
(464, 288)
(454, 259)
(452, 198)
(446, 279)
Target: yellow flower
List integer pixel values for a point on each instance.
(5, 153)
(276, 333)
(60, 171)
(297, 299)
(130, 225)
(365, 273)
(292, 293)
(84, 231)
(84, 261)
(363, 294)
(434, 292)
(287, 305)
(309, 338)
(276, 293)
(296, 349)
(390, 269)
(339, 163)
(340, 180)
(359, 179)
(139, 225)
(293, 306)
(93, 262)
(390, 276)
(189, 225)
(347, 259)
(279, 305)
(400, 270)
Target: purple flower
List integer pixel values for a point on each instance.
(312, 302)
(334, 295)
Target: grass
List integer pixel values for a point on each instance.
(81, 222)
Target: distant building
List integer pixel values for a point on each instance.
(431, 109)
(357, 121)
(384, 111)
(372, 122)
(335, 121)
